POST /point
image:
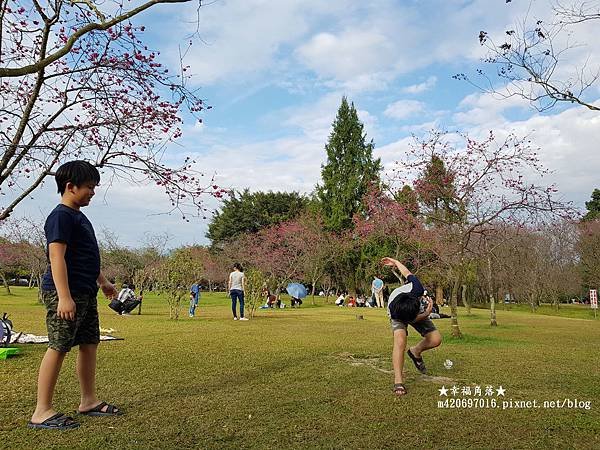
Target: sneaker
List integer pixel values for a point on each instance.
(243, 318)
(235, 318)
(191, 315)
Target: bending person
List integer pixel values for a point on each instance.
(405, 308)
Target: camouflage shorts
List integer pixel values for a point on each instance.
(423, 327)
(64, 334)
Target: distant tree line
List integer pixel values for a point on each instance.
(459, 213)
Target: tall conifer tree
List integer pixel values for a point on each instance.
(349, 171)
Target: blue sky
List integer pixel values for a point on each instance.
(275, 72)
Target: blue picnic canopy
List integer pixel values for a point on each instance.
(296, 290)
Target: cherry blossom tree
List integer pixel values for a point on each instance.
(273, 251)
(29, 232)
(77, 81)
(11, 260)
(477, 184)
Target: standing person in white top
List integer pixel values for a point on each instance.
(236, 286)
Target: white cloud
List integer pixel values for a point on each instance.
(486, 108)
(347, 55)
(403, 109)
(421, 87)
(566, 140)
(241, 39)
(360, 45)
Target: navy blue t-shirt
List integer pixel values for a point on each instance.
(72, 227)
(413, 286)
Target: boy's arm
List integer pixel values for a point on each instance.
(395, 263)
(66, 306)
(425, 314)
(107, 287)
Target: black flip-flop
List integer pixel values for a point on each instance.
(399, 390)
(419, 363)
(56, 422)
(111, 410)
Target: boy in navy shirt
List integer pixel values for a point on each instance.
(69, 291)
(406, 306)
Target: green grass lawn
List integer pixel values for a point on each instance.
(312, 377)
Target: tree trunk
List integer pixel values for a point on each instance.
(439, 295)
(465, 302)
(39, 286)
(5, 283)
(493, 322)
(532, 302)
(454, 309)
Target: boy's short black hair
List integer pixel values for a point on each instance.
(77, 172)
(405, 307)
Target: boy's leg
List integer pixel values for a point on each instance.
(430, 340)
(398, 354)
(47, 377)
(86, 372)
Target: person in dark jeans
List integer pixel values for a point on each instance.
(236, 286)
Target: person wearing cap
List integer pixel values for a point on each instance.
(408, 306)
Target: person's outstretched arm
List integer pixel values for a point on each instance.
(387, 261)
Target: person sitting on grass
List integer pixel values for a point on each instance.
(435, 309)
(340, 300)
(360, 301)
(404, 308)
(69, 290)
(128, 300)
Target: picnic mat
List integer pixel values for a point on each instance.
(26, 338)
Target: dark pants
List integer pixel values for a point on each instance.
(130, 304)
(235, 295)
